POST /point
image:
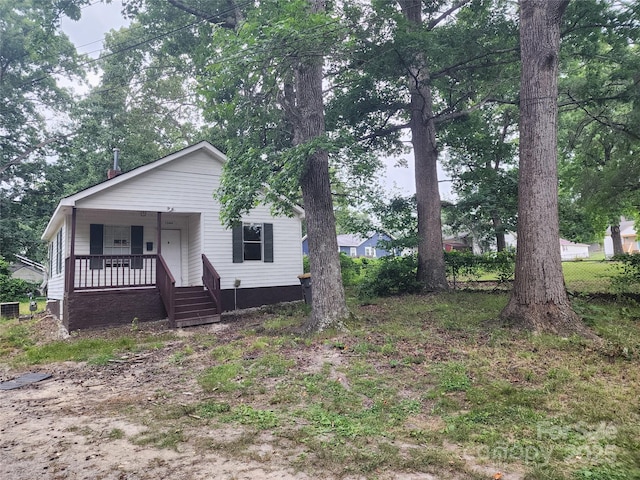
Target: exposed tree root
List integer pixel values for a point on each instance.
(558, 319)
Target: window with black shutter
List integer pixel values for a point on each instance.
(252, 241)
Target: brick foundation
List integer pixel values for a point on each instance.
(115, 307)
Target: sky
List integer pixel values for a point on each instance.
(99, 18)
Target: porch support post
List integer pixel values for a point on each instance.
(72, 252)
(159, 249)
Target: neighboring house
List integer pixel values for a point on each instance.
(628, 236)
(24, 268)
(148, 244)
(568, 250)
(571, 251)
(457, 244)
(356, 246)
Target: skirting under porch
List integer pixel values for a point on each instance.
(105, 308)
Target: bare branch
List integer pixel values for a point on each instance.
(464, 64)
(433, 23)
(381, 132)
(23, 156)
(442, 118)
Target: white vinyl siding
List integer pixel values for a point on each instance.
(195, 251)
(55, 282)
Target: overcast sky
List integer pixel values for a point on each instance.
(98, 18)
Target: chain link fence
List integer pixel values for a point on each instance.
(581, 276)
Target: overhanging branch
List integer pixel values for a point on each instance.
(23, 156)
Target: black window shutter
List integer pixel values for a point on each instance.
(267, 231)
(238, 251)
(96, 242)
(137, 237)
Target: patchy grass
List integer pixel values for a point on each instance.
(431, 384)
(21, 344)
(41, 305)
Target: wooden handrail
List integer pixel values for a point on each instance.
(167, 286)
(86, 272)
(211, 280)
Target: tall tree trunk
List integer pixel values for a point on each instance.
(617, 240)
(431, 266)
(539, 300)
(328, 305)
(501, 242)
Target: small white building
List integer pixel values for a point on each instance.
(148, 244)
(571, 250)
(568, 250)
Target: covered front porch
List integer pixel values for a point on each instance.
(126, 266)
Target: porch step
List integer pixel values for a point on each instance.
(192, 322)
(194, 306)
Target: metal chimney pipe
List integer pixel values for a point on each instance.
(116, 158)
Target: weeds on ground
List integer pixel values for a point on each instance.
(419, 383)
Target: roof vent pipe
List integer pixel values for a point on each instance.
(116, 158)
(115, 171)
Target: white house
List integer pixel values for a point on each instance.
(568, 250)
(571, 250)
(149, 244)
(628, 235)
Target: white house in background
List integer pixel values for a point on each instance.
(149, 244)
(628, 236)
(570, 250)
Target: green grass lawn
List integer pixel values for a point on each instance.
(589, 276)
(41, 306)
(585, 276)
(418, 384)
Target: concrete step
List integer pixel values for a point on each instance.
(193, 321)
(196, 312)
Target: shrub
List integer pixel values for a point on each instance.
(628, 267)
(462, 263)
(15, 289)
(390, 276)
(469, 265)
(350, 270)
(503, 263)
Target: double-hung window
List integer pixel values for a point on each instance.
(59, 252)
(114, 244)
(117, 241)
(253, 242)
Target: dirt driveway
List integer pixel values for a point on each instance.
(79, 423)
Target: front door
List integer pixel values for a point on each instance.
(172, 253)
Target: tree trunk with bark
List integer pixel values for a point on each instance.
(616, 239)
(539, 300)
(501, 242)
(431, 266)
(328, 305)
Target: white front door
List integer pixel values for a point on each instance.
(172, 253)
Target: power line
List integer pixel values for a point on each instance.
(132, 46)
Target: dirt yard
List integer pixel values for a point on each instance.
(78, 424)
